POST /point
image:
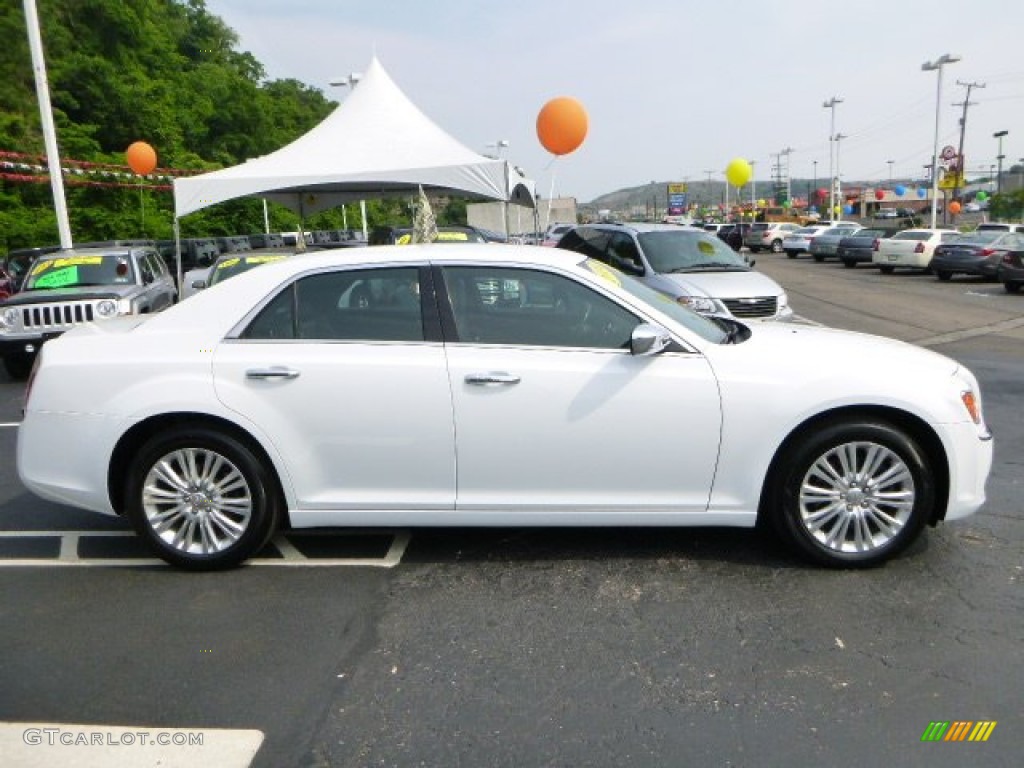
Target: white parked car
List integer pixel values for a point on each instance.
(492, 385)
(799, 240)
(911, 248)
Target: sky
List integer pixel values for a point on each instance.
(674, 89)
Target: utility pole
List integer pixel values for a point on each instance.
(963, 129)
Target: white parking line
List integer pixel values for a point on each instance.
(40, 745)
(291, 556)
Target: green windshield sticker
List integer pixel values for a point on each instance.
(58, 278)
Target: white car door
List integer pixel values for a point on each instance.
(340, 372)
(556, 421)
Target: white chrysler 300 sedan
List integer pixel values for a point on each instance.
(492, 386)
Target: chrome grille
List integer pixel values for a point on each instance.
(761, 306)
(56, 317)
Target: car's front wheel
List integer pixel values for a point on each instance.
(201, 498)
(776, 246)
(1012, 287)
(853, 494)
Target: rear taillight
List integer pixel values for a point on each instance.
(874, 245)
(986, 252)
(919, 248)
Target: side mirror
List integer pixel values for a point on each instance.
(198, 284)
(648, 340)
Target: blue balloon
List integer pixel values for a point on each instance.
(847, 209)
(900, 190)
(813, 209)
(921, 192)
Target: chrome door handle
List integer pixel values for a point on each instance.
(273, 372)
(495, 377)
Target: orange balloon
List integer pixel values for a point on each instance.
(954, 207)
(562, 125)
(141, 157)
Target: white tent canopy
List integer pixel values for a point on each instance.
(377, 143)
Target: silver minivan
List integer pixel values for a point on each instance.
(690, 265)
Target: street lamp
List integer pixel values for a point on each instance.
(928, 66)
(999, 177)
(839, 182)
(890, 162)
(498, 145)
(814, 184)
(831, 104)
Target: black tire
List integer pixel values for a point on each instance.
(849, 263)
(790, 254)
(1012, 287)
(887, 270)
(222, 512)
(18, 366)
(819, 258)
(755, 248)
(871, 447)
(944, 276)
(776, 246)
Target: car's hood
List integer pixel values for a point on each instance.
(79, 293)
(813, 352)
(725, 285)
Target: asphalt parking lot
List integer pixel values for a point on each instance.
(548, 647)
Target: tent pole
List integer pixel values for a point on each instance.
(505, 202)
(362, 211)
(177, 256)
(300, 238)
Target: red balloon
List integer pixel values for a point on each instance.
(954, 207)
(141, 157)
(821, 193)
(879, 194)
(562, 125)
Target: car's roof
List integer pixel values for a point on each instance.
(649, 226)
(113, 250)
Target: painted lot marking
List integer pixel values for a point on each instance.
(40, 745)
(367, 548)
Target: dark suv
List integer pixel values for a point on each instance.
(64, 289)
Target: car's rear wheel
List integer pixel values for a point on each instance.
(201, 498)
(791, 254)
(819, 258)
(944, 275)
(776, 246)
(1012, 287)
(853, 494)
(849, 263)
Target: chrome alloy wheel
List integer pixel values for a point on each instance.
(197, 501)
(856, 497)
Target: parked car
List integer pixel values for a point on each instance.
(799, 240)
(1011, 271)
(977, 253)
(688, 265)
(554, 233)
(65, 289)
(768, 235)
(999, 226)
(277, 399)
(733, 234)
(826, 244)
(229, 265)
(858, 246)
(886, 213)
(911, 248)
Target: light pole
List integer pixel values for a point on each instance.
(831, 104)
(753, 189)
(929, 66)
(498, 145)
(814, 184)
(350, 83)
(839, 181)
(999, 176)
(890, 162)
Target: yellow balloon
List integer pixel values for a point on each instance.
(760, 202)
(738, 171)
(837, 209)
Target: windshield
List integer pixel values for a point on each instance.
(682, 250)
(71, 271)
(236, 265)
(686, 317)
(980, 238)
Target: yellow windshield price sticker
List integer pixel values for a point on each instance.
(404, 240)
(604, 272)
(460, 236)
(705, 247)
(228, 263)
(73, 261)
(263, 259)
